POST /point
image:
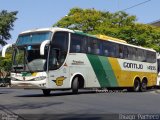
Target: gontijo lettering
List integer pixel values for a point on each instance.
(132, 65)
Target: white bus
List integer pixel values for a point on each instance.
(62, 59)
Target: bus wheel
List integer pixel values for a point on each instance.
(75, 85)
(46, 92)
(143, 86)
(136, 87)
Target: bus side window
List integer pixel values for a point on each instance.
(144, 56)
(98, 51)
(113, 49)
(125, 52)
(134, 53)
(153, 57)
(96, 46)
(149, 57)
(120, 51)
(77, 43)
(105, 48)
(131, 55)
(78, 48)
(110, 49)
(89, 49)
(106, 52)
(91, 45)
(158, 62)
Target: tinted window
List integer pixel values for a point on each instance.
(60, 41)
(151, 56)
(58, 51)
(131, 53)
(110, 49)
(33, 38)
(94, 46)
(121, 51)
(91, 45)
(125, 52)
(78, 43)
(158, 61)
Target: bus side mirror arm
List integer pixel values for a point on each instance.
(42, 46)
(5, 49)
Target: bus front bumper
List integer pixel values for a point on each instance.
(29, 84)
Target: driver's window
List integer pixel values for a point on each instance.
(54, 59)
(58, 51)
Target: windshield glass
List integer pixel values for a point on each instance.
(33, 38)
(29, 59)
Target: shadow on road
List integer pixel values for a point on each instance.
(2, 91)
(31, 105)
(70, 117)
(67, 93)
(57, 94)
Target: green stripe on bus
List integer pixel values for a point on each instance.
(85, 34)
(99, 71)
(108, 71)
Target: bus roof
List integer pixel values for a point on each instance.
(102, 37)
(52, 29)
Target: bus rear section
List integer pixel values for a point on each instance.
(113, 64)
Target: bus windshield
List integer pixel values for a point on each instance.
(33, 38)
(26, 55)
(28, 59)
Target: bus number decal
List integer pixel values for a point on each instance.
(151, 67)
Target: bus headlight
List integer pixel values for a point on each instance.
(40, 78)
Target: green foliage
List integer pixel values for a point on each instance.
(6, 24)
(5, 63)
(120, 25)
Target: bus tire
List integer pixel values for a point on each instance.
(143, 86)
(75, 85)
(46, 92)
(136, 86)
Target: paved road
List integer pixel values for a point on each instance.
(21, 102)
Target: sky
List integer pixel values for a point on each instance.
(44, 13)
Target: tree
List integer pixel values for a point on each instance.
(91, 20)
(5, 63)
(119, 24)
(6, 24)
(5, 67)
